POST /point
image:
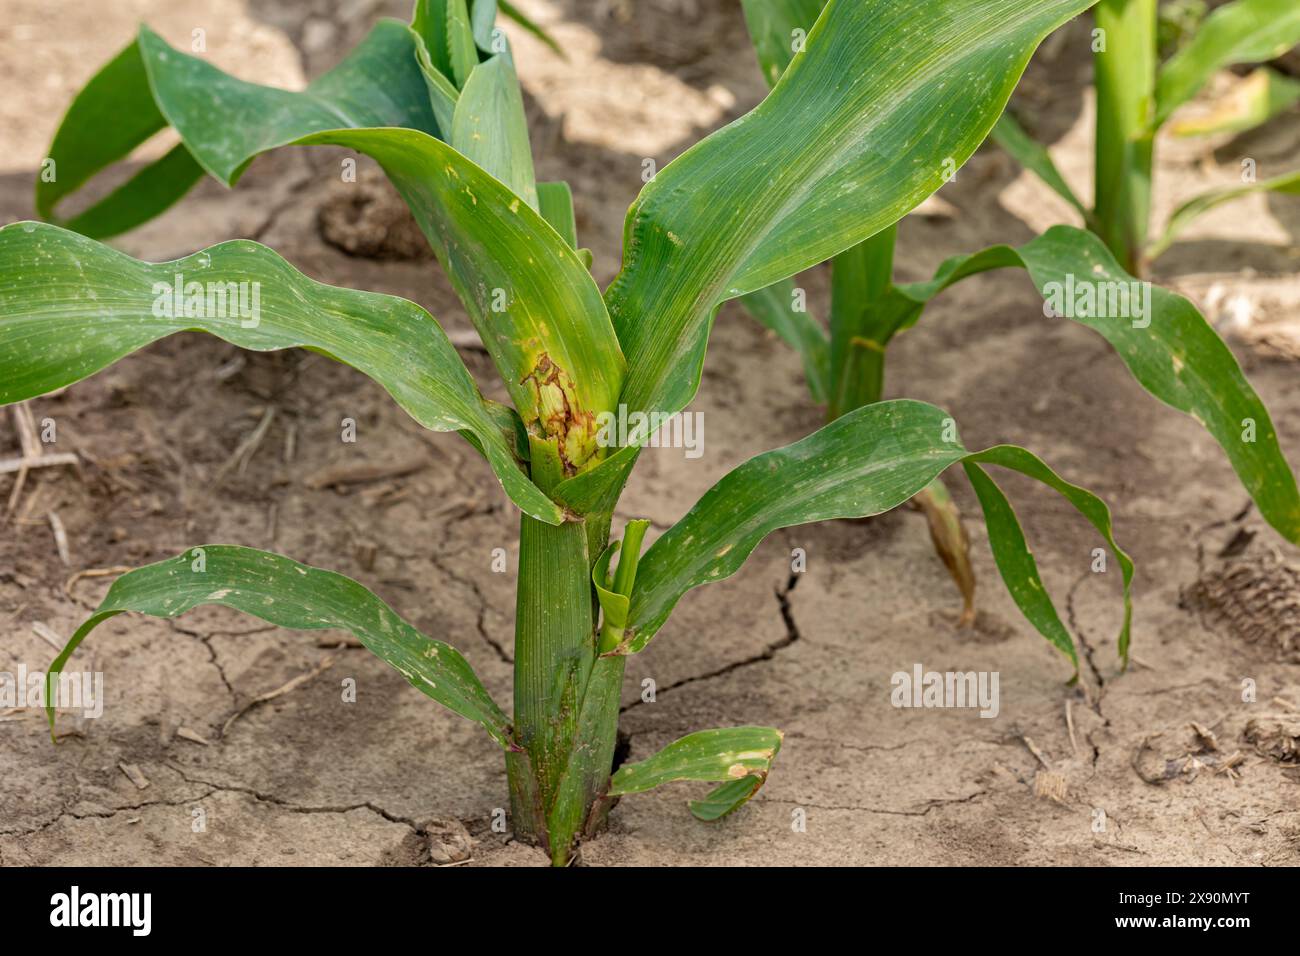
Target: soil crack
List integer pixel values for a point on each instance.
(768, 653)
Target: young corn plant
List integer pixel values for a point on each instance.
(845, 370)
(855, 134)
(1137, 96)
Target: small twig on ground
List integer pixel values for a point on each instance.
(60, 537)
(244, 451)
(1069, 723)
(1033, 749)
(292, 685)
(30, 455)
(134, 774)
(91, 573)
(43, 631)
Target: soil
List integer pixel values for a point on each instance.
(1163, 764)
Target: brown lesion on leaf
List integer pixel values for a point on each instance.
(559, 415)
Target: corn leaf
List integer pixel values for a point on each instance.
(1246, 31)
(514, 13)
(225, 121)
(1288, 183)
(110, 117)
(514, 274)
(483, 21)
(555, 203)
(489, 127)
(1033, 155)
(855, 134)
(774, 308)
(864, 463)
(1172, 352)
(377, 85)
(776, 27)
(529, 294)
(283, 592)
(773, 26)
(429, 23)
(586, 771)
(70, 306)
(443, 95)
(732, 755)
(461, 47)
(1255, 100)
(1013, 556)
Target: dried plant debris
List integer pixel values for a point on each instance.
(1258, 598)
(1275, 735)
(1201, 753)
(449, 842)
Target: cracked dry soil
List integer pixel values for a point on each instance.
(393, 779)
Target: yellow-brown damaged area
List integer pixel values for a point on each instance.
(559, 416)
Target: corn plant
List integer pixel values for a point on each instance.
(1137, 95)
(856, 133)
(867, 309)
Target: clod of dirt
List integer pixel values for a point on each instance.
(367, 218)
(1258, 599)
(1276, 736)
(449, 842)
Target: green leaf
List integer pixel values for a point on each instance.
(429, 23)
(1032, 155)
(70, 306)
(772, 28)
(483, 21)
(283, 592)
(110, 117)
(1288, 183)
(443, 95)
(555, 203)
(1172, 352)
(864, 463)
(517, 15)
(535, 305)
(1246, 31)
(1014, 559)
(730, 754)
(613, 591)
(725, 799)
(460, 42)
(861, 280)
(774, 308)
(586, 773)
(224, 122)
(1255, 100)
(489, 127)
(834, 155)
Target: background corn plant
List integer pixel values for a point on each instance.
(845, 370)
(854, 135)
(1137, 96)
